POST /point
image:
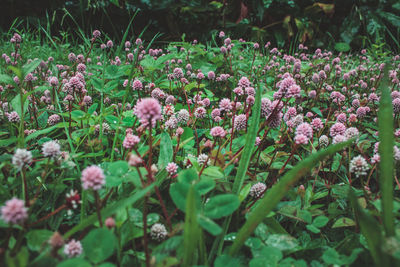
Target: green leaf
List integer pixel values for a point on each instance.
(282, 241)
(209, 225)
(221, 205)
(99, 245)
(204, 186)
(313, 229)
(36, 239)
(6, 79)
(166, 151)
(320, 221)
(30, 67)
(16, 105)
(213, 172)
(342, 47)
(226, 260)
(118, 168)
(42, 119)
(92, 108)
(343, 222)
(113, 72)
(75, 262)
(244, 192)
(332, 257)
(19, 260)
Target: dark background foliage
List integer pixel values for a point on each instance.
(286, 23)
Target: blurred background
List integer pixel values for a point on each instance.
(341, 24)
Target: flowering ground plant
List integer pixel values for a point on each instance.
(128, 154)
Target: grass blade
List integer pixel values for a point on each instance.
(278, 191)
(191, 232)
(371, 231)
(250, 140)
(243, 165)
(386, 139)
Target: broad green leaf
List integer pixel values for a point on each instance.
(343, 222)
(99, 245)
(320, 221)
(221, 205)
(29, 67)
(191, 231)
(75, 262)
(37, 239)
(209, 225)
(166, 151)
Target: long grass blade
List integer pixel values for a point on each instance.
(386, 139)
(371, 231)
(191, 232)
(278, 191)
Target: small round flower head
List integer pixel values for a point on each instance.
(148, 109)
(130, 141)
(323, 141)
(171, 123)
(137, 85)
(14, 211)
(110, 222)
(135, 160)
(158, 232)
(21, 158)
(51, 149)
(339, 139)
(337, 128)
(93, 178)
(351, 132)
(172, 168)
(72, 200)
(96, 34)
(257, 190)
(73, 248)
(13, 117)
(217, 131)
(305, 129)
(244, 82)
(202, 159)
(200, 113)
(225, 104)
(359, 166)
(183, 116)
(240, 122)
(53, 119)
(179, 131)
(301, 139)
(317, 124)
(56, 241)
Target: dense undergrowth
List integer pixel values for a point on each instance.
(126, 154)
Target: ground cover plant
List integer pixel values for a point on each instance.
(230, 153)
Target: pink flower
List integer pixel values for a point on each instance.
(110, 222)
(130, 141)
(148, 109)
(172, 168)
(300, 139)
(73, 248)
(305, 129)
(244, 82)
(218, 131)
(14, 211)
(337, 129)
(240, 122)
(93, 178)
